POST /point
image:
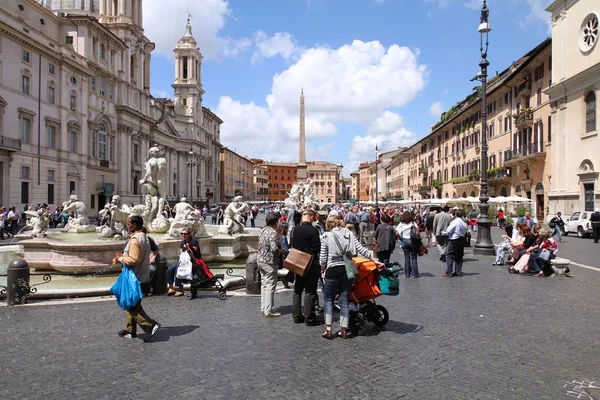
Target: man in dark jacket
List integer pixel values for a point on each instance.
(595, 220)
(305, 237)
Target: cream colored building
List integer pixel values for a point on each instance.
(261, 182)
(446, 163)
(76, 114)
(354, 191)
(574, 98)
(326, 177)
(237, 176)
(398, 172)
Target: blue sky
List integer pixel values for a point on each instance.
(373, 71)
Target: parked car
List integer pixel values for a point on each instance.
(579, 223)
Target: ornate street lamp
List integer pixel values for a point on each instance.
(484, 244)
(191, 163)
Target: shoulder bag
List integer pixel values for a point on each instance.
(297, 261)
(376, 245)
(351, 270)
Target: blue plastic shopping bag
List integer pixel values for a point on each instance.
(127, 289)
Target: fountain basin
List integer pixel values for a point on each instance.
(86, 253)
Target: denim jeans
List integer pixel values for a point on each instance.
(336, 281)
(557, 231)
(411, 267)
(171, 272)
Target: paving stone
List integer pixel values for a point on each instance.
(488, 335)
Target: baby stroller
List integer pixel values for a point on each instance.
(203, 278)
(371, 284)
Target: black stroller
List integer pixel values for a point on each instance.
(203, 278)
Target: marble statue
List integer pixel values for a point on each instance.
(114, 217)
(38, 222)
(156, 191)
(233, 220)
(301, 195)
(80, 222)
(185, 217)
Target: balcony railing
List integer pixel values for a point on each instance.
(524, 118)
(523, 151)
(524, 88)
(10, 143)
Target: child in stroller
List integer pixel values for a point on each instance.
(372, 283)
(202, 277)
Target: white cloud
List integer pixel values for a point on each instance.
(538, 12)
(165, 25)
(280, 44)
(354, 83)
(160, 93)
(436, 109)
(387, 132)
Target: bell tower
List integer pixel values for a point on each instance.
(188, 77)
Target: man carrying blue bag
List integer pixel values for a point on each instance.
(136, 258)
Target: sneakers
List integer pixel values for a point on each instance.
(155, 329)
(127, 335)
(273, 315)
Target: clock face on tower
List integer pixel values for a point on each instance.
(589, 32)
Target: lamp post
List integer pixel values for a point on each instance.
(484, 244)
(191, 163)
(376, 175)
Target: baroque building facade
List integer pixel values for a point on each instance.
(574, 106)
(76, 113)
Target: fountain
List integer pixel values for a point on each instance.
(83, 248)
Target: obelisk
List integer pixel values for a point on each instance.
(302, 174)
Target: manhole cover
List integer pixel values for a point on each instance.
(593, 392)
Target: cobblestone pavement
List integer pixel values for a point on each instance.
(487, 335)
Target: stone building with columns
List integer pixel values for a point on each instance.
(575, 113)
(76, 113)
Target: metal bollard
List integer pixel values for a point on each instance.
(160, 275)
(252, 274)
(17, 282)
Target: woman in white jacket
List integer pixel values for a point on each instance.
(334, 243)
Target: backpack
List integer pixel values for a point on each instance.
(415, 236)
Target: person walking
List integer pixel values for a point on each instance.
(305, 237)
(334, 244)
(384, 239)
(501, 218)
(473, 220)
(456, 245)
(137, 257)
(441, 221)
(595, 220)
(269, 251)
(410, 246)
(557, 223)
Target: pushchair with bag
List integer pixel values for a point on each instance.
(203, 278)
(372, 283)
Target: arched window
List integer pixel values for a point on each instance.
(503, 192)
(590, 112)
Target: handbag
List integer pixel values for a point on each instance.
(127, 289)
(422, 250)
(185, 267)
(389, 284)
(376, 245)
(297, 261)
(351, 270)
(415, 236)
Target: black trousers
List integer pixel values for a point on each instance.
(596, 232)
(308, 284)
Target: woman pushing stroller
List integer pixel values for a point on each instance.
(334, 244)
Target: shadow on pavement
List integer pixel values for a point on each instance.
(470, 259)
(165, 333)
(427, 275)
(398, 327)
